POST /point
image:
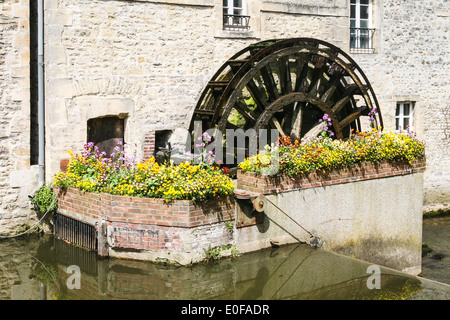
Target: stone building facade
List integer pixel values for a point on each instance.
(18, 178)
(145, 63)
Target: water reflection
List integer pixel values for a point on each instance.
(436, 236)
(37, 268)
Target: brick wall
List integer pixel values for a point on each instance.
(253, 182)
(151, 224)
(148, 146)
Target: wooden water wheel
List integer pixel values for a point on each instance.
(288, 85)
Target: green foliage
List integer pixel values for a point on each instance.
(229, 225)
(44, 199)
(436, 213)
(213, 253)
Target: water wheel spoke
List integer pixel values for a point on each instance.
(317, 74)
(243, 109)
(313, 132)
(326, 96)
(296, 120)
(352, 117)
(340, 104)
(302, 71)
(269, 83)
(275, 124)
(285, 75)
(331, 85)
(235, 65)
(257, 95)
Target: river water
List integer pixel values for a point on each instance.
(45, 268)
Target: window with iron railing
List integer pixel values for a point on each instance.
(361, 40)
(234, 14)
(361, 31)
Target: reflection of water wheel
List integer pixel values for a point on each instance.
(287, 85)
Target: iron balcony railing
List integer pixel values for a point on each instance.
(361, 40)
(235, 21)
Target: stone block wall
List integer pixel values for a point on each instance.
(17, 178)
(411, 63)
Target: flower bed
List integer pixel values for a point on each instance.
(152, 211)
(324, 154)
(119, 174)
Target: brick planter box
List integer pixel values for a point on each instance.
(372, 212)
(264, 184)
(151, 229)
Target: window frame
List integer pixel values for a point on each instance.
(359, 33)
(235, 17)
(400, 116)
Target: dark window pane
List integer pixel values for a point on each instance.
(405, 123)
(364, 12)
(406, 110)
(364, 1)
(352, 12)
(364, 23)
(105, 133)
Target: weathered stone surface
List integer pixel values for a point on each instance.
(16, 176)
(157, 56)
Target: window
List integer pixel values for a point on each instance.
(404, 116)
(105, 133)
(234, 14)
(361, 31)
